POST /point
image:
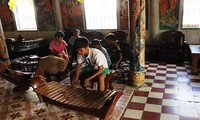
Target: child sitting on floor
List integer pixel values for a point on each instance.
(58, 46)
(114, 51)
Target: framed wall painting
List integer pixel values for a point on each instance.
(6, 16)
(72, 13)
(169, 14)
(45, 15)
(124, 13)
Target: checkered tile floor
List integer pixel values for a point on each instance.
(171, 92)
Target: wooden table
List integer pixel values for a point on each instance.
(195, 51)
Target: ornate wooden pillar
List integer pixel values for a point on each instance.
(57, 14)
(4, 56)
(137, 41)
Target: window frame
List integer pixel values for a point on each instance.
(36, 22)
(182, 20)
(117, 17)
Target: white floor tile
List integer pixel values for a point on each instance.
(152, 68)
(194, 77)
(171, 91)
(151, 73)
(171, 82)
(161, 71)
(182, 73)
(145, 89)
(193, 84)
(171, 69)
(134, 114)
(189, 112)
(153, 108)
(169, 117)
(149, 80)
(155, 95)
(160, 78)
(139, 99)
(161, 66)
(158, 85)
(171, 75)
(169, 102)
(197, 105)
(183, 80)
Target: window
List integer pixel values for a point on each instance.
(25, 15)
(100, 14)
(191, 14)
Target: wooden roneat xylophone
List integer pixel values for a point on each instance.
(92, 102)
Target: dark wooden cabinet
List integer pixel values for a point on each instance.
(37, 46)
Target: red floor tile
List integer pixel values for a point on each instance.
(150, 116)
(153, 66)
(170, 110)
(170, 96)
(188, 118)
(171, 86)
(160, 74)
(123, 118)
(162, 69)
(196, 88)
(149, 84)
(171, 78)
(151, 71)
(182, 70)
(159, 81)
(136, 106)
(171, 72)
(154, 101)
(140, 93)
(149, 77)
(183, 76)
(161, 90)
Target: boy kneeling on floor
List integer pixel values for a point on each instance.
(96, 64)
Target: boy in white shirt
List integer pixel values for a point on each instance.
(97, 65)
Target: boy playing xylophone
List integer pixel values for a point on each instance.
(96, 64)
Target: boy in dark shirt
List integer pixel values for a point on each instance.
(114, 51)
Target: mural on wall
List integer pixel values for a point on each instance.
(72, 14)
(6, 17)
(124, 14)
(169, 14)
(45, 15)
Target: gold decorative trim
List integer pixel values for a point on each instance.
(137, 78)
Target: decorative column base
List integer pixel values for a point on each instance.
(137, 78)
